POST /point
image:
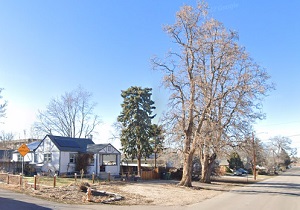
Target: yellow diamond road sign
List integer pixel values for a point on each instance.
(23, 149)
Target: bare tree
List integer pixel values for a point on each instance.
(280, 145)
(2, 106)
(6, 138)
(70, 115)
(216, 87)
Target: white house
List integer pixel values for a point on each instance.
(57, 154)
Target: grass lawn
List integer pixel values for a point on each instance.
(48, 181)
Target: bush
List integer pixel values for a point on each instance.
(83, 186)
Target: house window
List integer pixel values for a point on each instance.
(47, 157)
(35, 158)
(20, 158)
(72, 157)
(109, 160)
(109, 148)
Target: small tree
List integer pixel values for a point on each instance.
(82, 161)
(136, 126)
(157, 140)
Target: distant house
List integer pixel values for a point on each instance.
(223, 164)
(5, 160)
(29, 157)
(6, 155)
(57, 154)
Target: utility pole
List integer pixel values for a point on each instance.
(254, 157)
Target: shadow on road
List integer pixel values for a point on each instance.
(9, 204)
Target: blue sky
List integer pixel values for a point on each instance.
(50, 47)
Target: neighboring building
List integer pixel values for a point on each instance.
(6, 155)
(15, 144)
(5, 161)
(29, 157)
(223, 165)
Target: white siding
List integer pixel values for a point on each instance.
(112, 169)
(48, 147)
(65, 165)
(29, 157)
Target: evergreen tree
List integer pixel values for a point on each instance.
(136, 123)
(235, 161)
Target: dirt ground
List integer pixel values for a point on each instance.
(158, 192)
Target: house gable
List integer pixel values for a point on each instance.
(102, 149)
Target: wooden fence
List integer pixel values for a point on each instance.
(148, 175)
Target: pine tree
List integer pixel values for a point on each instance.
(136, 123)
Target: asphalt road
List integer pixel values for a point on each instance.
(280, 192)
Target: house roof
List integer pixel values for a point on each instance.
(222, 162)
(70, 144)
(33, 145)
(96, 148)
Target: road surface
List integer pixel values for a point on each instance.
(280, 192)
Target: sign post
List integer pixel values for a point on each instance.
(23, 150)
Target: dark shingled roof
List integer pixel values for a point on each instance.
(70, 144)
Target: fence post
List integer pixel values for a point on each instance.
(7, 178)
(54, 180)
(20, 181)
(75, 176)
(93, 177)
(34, 182)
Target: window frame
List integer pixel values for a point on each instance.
(114, 163)
(72, 156)
(19, 158)
(47, 157)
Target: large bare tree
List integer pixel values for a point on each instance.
(70, 115)
(216, 88)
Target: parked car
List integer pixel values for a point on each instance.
(240, 172)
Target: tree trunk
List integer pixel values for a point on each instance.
(186, 179)
(139, 166)
(207, 166)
